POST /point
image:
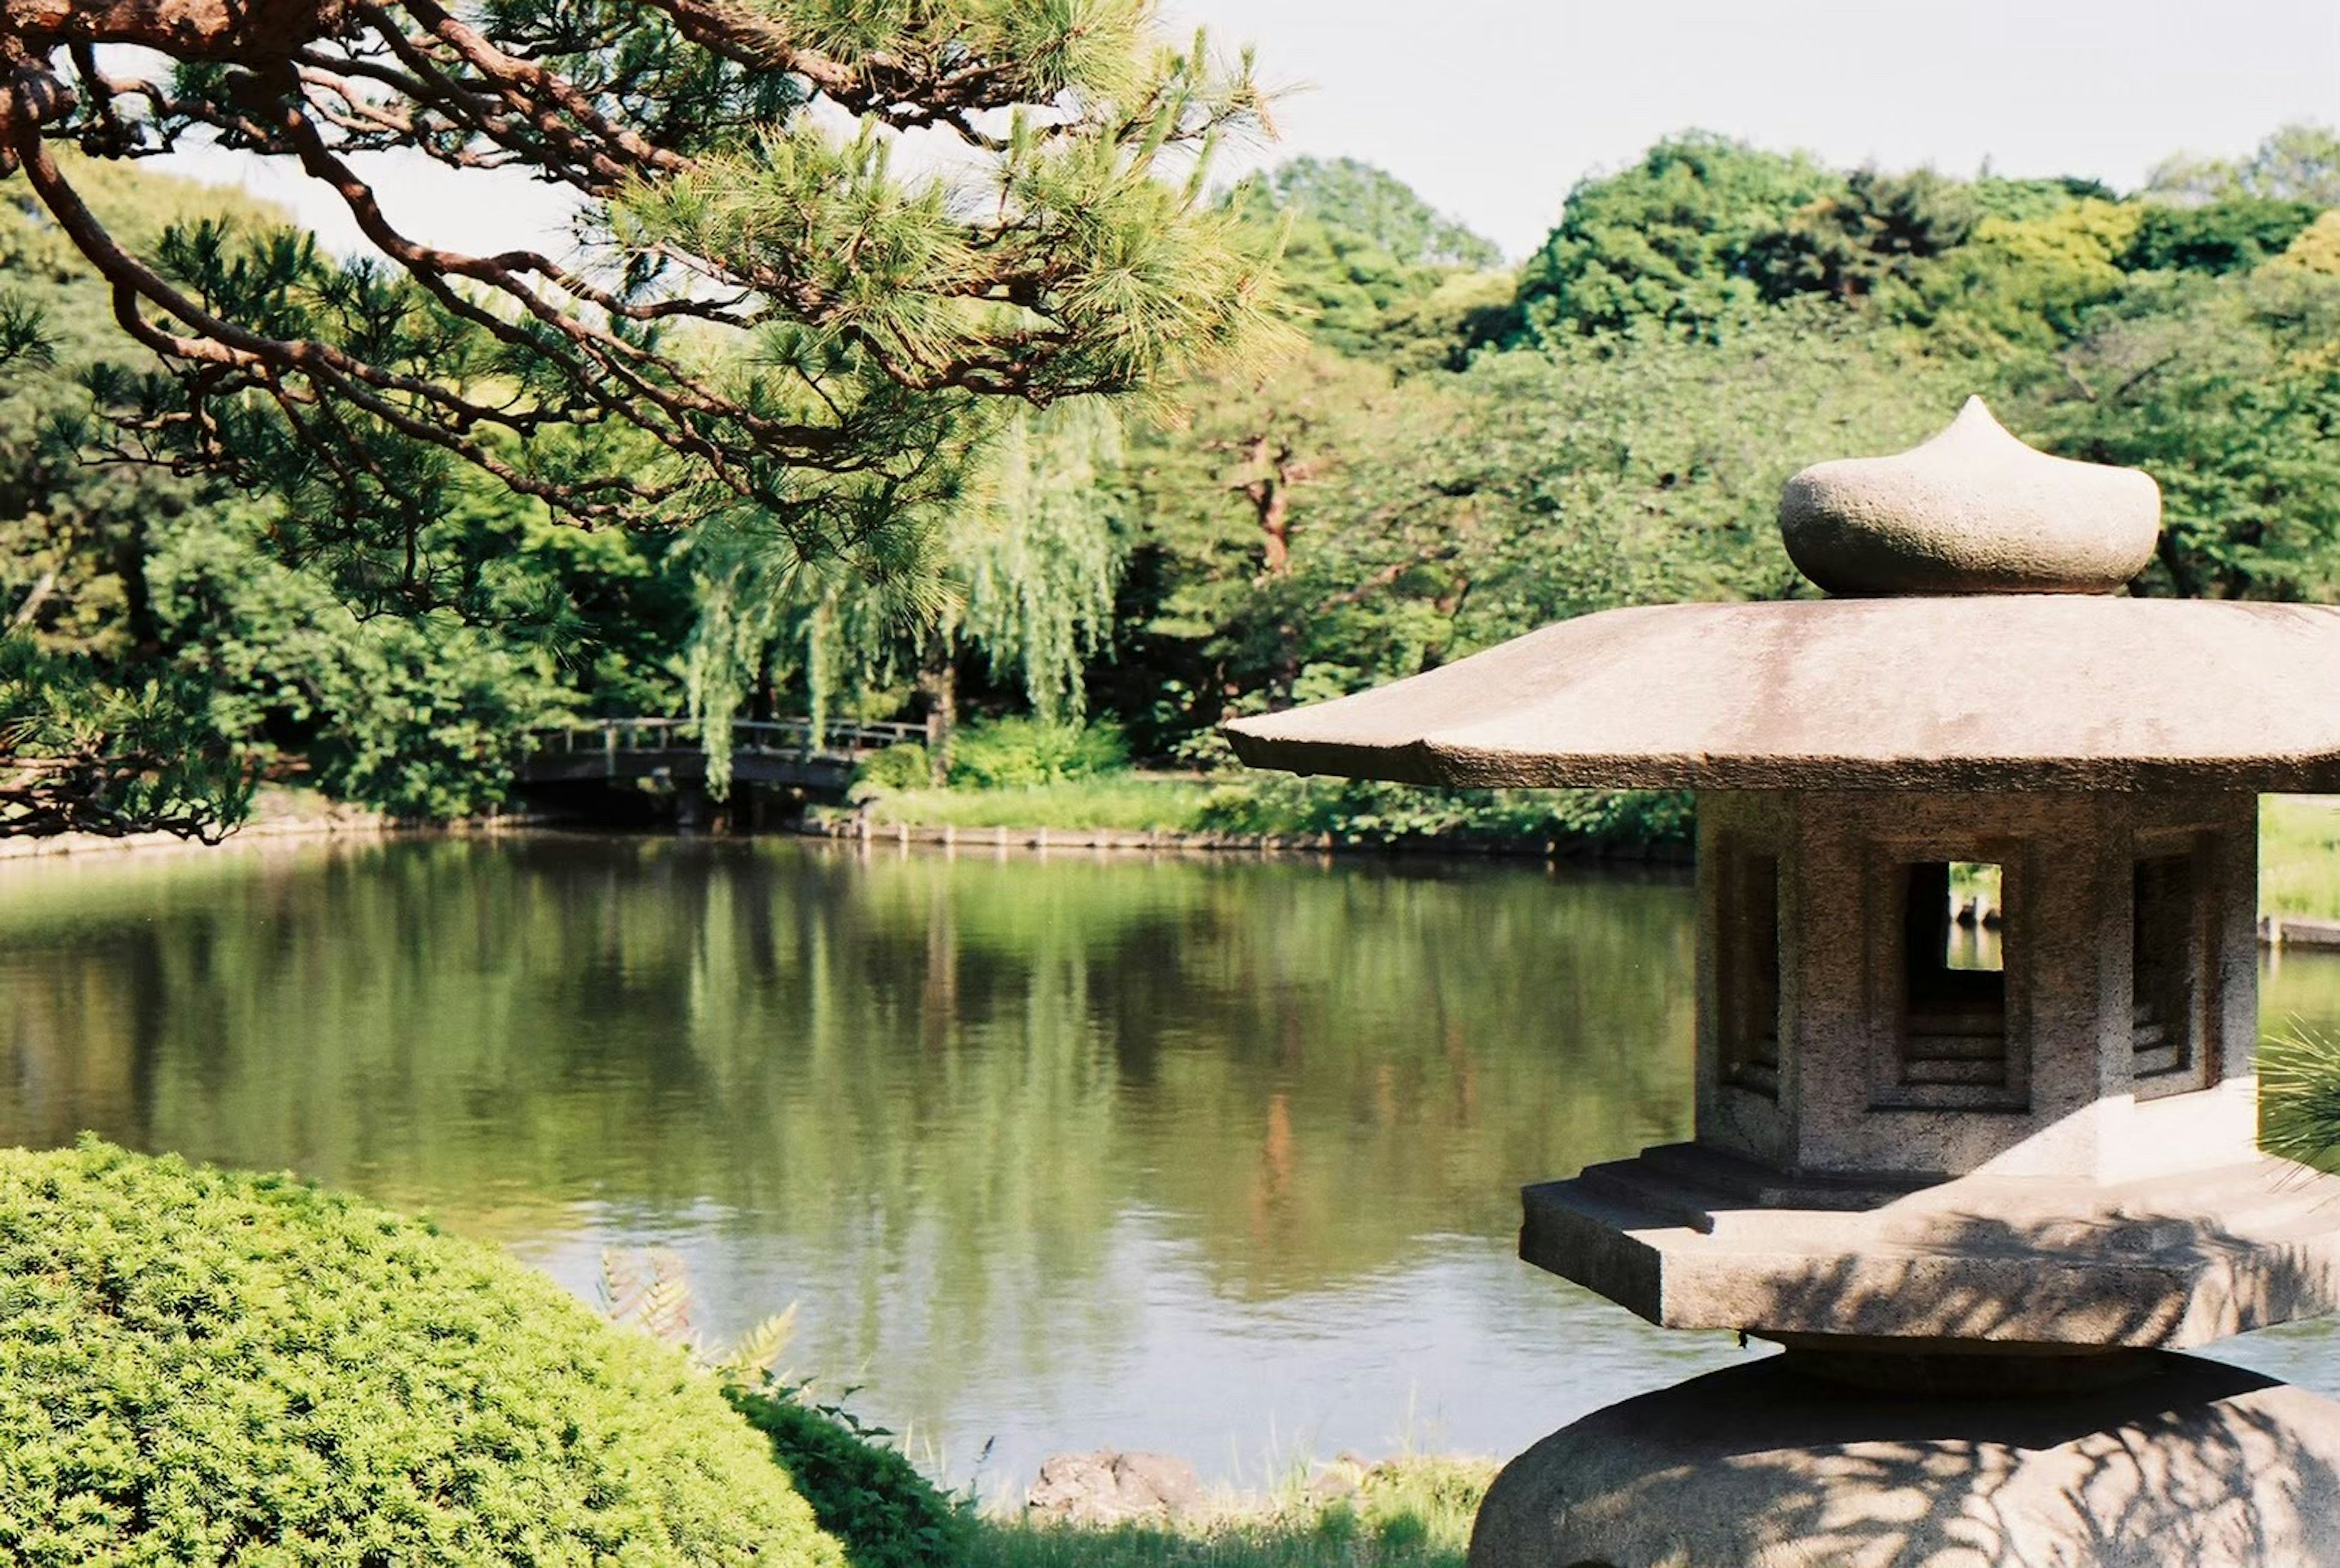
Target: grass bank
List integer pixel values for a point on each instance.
(1409, 1513)
(1112, 802)
(2299, 856)
(1249, 808)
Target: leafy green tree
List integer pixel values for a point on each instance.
(1224, 501)
(1649, 470)
(99, 732)
(2000, 197)
(419, 717)
(2021, 288)
(2299, 162)
(1326, 528)
(2233, 234)
(1380, 210)
(2315, 248)
(82, 753)
(1676, 239)
(1445, 328)
(1038, 562)
(2229, 394)
(1361, 253)
(1877, 231)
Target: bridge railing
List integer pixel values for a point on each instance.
(797, 738)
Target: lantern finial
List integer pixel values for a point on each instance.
(1972, 511)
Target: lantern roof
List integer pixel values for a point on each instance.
(1986, 649)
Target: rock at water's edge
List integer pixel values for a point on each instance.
(1110, 1488)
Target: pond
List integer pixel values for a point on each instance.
(1211, 1155)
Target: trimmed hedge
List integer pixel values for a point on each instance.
(204, 1367)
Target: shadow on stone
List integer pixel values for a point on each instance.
(2102, 1280)
(2169, 1263)
(1766, 1466)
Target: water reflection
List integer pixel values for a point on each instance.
(1202, 1154)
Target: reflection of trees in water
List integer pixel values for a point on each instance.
(2299, 987)
(954, 1078)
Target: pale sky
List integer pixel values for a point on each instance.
(1493, 108)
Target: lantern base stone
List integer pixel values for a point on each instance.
(1690, 1237)
(1764, 1466)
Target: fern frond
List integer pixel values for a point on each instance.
(753, 1360)
(656, 1299)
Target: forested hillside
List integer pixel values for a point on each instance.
(1453, 452)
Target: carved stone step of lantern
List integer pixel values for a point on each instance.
(1944, 1174)
(2014, 1261)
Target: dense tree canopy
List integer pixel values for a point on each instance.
(2230, 397)
(1676, 238)
(1698, 325)
(1458, 453)
(1362, 256)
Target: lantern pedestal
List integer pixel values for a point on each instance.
(2178, 1461)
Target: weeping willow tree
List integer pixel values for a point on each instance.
(1033, 569)
(1029, 552)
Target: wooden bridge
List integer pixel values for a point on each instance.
(791, 753)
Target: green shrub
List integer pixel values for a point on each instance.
(903, 767)
(1015, 753)
(2299, 1099)
(866, 1494)
(1361, 811)
(204, 1367)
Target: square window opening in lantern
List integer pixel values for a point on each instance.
(2170, 955)
(1750, 965)
(1954, 979)
(1972, 939)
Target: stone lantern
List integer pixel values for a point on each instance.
(1982, 1198)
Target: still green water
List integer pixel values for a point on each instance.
(1213, 1156)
